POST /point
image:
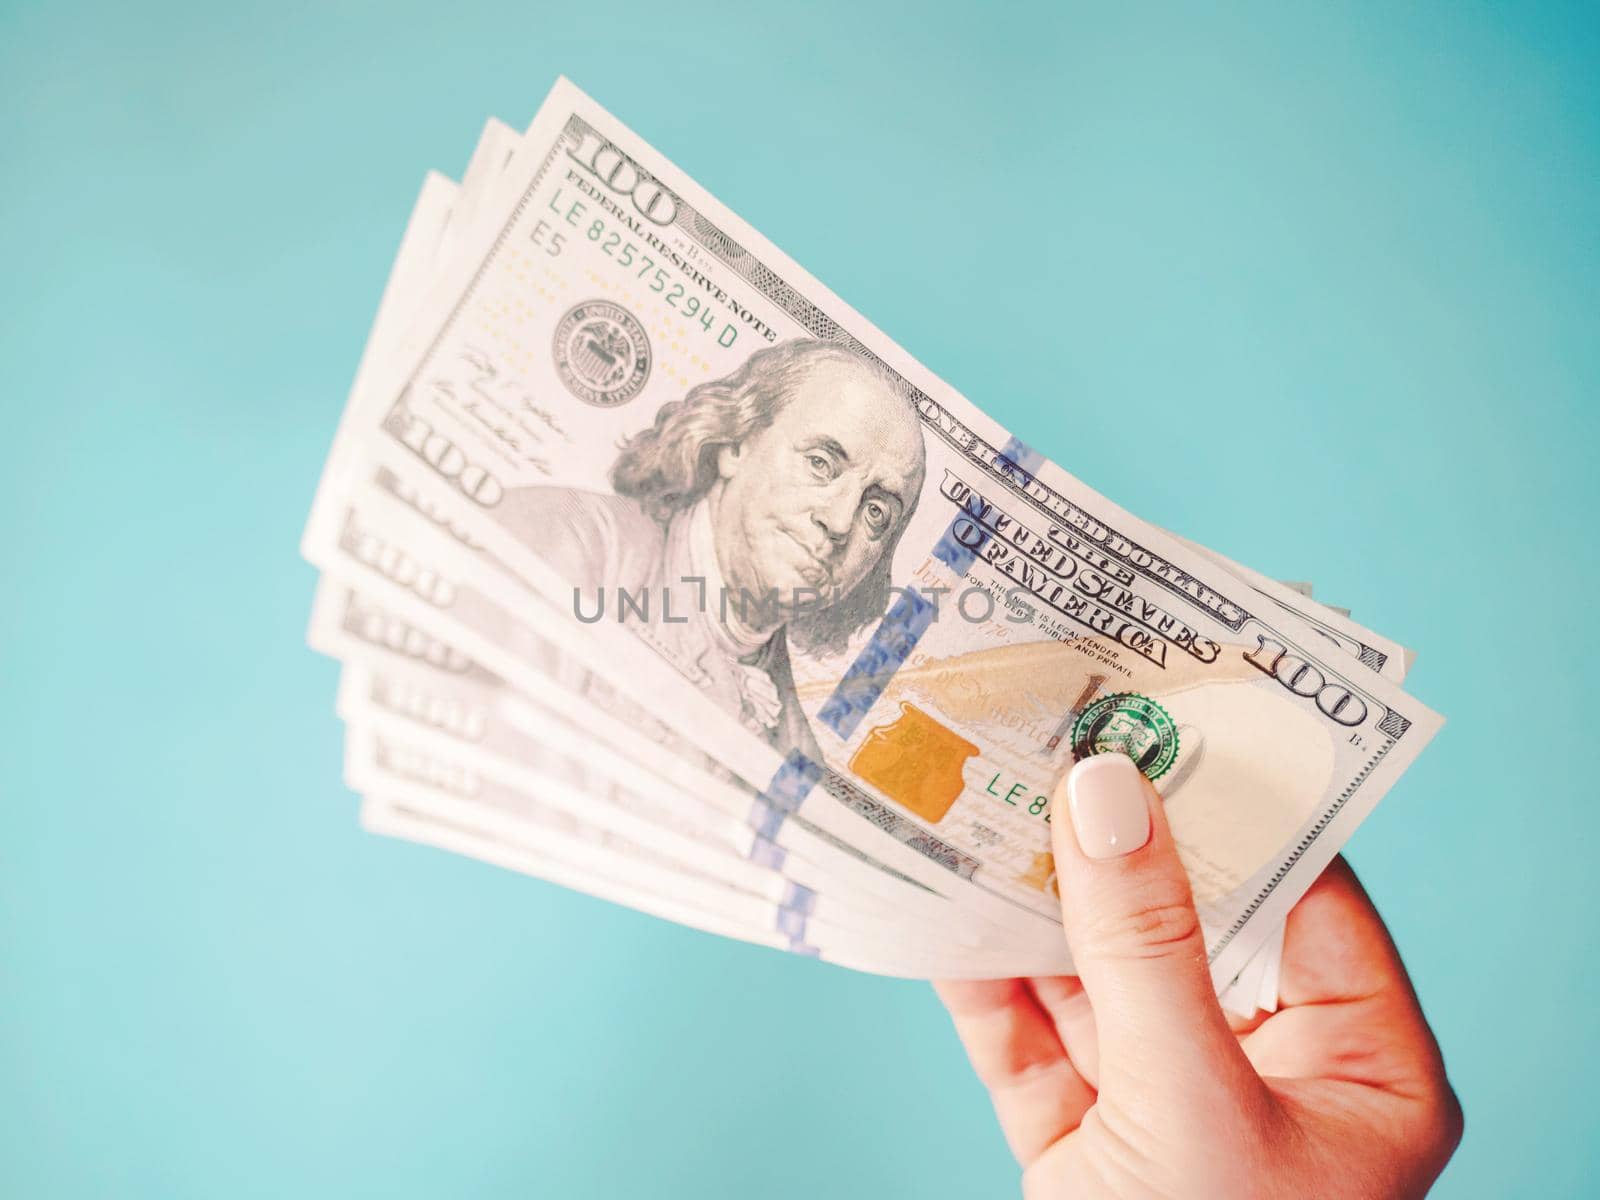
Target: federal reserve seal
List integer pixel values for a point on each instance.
(1131, 724)
(601, 353)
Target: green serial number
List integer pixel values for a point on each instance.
(671, 289)
(659, 277)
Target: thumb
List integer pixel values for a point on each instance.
(1134, 935)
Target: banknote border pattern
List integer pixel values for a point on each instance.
(1281, 872)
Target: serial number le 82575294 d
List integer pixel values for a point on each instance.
(638, 262)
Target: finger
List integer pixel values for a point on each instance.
(1038, 1095)
(1135, 937)
(1063, 997)
(1343, 976)
(1241, 1026)
(1342, 971)
(1336, 946)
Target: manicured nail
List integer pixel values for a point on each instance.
(1109, 812)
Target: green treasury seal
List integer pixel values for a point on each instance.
(1131, 724)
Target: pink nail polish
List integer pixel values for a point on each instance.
(1110, 814)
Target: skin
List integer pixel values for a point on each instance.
(812, 500)
(1129, 1080)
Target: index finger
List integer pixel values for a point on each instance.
(1336, 946)
(1038, 1094)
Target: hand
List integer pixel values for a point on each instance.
(1128, 1080)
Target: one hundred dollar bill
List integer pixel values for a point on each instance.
(430, 814)
(546, 802)
(826, 569)
(1256, 984)
(411, 570)
(420, 692)
(433, 778)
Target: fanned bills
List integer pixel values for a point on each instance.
(660, 573)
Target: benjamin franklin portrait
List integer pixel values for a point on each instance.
(794, 475)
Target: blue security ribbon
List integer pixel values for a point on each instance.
(858, 690)
(906, 621)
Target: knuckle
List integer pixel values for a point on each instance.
(1160, 922)
(1436, 1125)
(1449, 1120)
(1026, 1074)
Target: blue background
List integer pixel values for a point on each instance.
(1317, 286)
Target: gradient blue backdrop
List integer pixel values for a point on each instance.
(1316, 285)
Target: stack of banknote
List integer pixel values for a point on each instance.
(658, 572)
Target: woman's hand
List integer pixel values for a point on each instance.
(1128, 1080)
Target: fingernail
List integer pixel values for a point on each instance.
(1110, 815)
